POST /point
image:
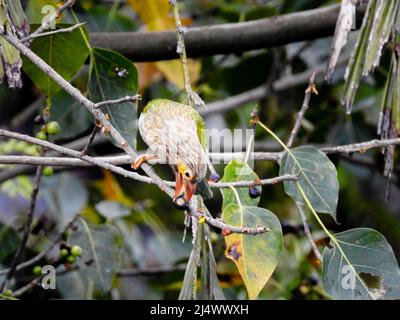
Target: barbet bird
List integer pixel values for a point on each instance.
(175, 134)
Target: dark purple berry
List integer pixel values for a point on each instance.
(254, 192)
(215, 177)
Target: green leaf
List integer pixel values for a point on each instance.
(369, 269)
(64, 52)
(255, 256)
(102, 19)
(72, 117)
(101, 253)
(318, 178)
(210, 288)
(112, 76)
(65, 195)
(238, 170)
(384, 15)
(9, 241)
(357, 60)
(112, 210)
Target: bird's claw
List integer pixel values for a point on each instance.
(140, 159)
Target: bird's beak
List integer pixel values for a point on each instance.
(178, 186)
(184, 186)
(190, 189)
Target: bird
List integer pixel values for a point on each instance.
(176, 135)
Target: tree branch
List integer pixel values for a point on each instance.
(50, 33)
(26, 232)
(300, 115)
(225, 38)
(43, 253)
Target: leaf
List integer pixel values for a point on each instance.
(156, 15)
(318, 178)
(64, 52)
(238, 170)
(112, 210)
(255, 256)
(101, 253)
(35, 7)
(369, 271)
(210, 288)
(73, 119)
(112, 76)
(102, 19)
(344, 24)
(381, 29)
(357, 60)
(65, 195)
(9, 241)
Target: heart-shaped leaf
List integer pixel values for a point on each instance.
(366, 269)
(69, 113)
(238, 170)
(64, 52)
(255, 256)
(101, 253)
(318, 178)
(112, 76)
(112, 210)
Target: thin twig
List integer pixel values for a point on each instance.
(307, 232)
(50, 33)
(91, 138)
(43, 253)
(300, 115)
(27, 230)
(118, 101)
(361, 147)
(194, 98)
(77, 154)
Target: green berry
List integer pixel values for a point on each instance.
(76, 251)
(48, 171)
(8, 293)
(71, 259)
(41, 135)
(53, 128)
(64, 252)
(37, 270)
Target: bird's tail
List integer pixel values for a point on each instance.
(204, 189)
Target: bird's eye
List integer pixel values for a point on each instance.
(187, 174)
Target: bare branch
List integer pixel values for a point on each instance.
(43, 253)
(227, 229)
(50, 33)
(258, 93)
(300, 115)
(118, 101)
(218, 39)
(26, 232)
(307, 232)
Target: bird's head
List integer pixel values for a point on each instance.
(186, 179)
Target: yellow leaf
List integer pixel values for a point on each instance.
(112, 190)
(172, 70)
(255, 256)
(156, 15)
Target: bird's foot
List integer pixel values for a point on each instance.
(140, 159)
